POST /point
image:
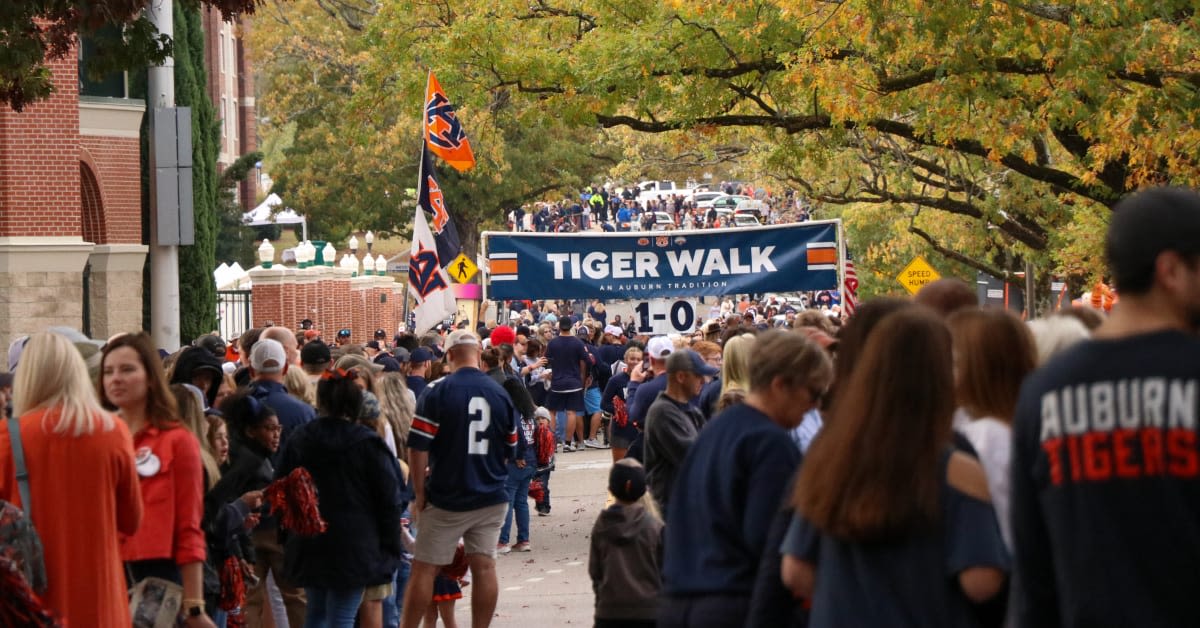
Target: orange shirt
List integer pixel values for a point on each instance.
(85, 494)
(173, 497)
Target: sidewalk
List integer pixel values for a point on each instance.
(550, 585)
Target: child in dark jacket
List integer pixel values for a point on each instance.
(626, 555)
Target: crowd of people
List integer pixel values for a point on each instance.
(925, 462)
(598, 208)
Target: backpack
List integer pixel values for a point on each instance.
(20, 546)
(19, 542)
(22, 565)
(544, 444)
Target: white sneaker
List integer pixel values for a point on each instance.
(502, 548)
(593, 444)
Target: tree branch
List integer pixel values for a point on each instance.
(959, 257)
(1059, 179)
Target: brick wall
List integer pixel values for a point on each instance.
(330, 297)
(39, 161)
(115, 162)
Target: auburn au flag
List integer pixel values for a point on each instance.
(642, 265)
(429, 198)
(443, 132)
(430, 286)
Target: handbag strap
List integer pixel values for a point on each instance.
(14, 435)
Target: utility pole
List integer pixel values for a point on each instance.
(164, 258)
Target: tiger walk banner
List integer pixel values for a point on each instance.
(640, 265)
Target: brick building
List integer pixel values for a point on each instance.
(231, 88)
(70, 209)
(71, 247)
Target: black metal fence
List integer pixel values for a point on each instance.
(234, 312)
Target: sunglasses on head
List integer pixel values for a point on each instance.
(343, 333)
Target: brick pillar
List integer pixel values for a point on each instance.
(360, 316)
(269, 288)
(307, 295)
(339, 299)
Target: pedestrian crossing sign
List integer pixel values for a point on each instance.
(462, 269)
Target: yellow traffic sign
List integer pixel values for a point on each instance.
(917, 274)
(462, 269)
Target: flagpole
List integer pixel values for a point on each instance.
(420, 176)
(841, 288)
(483, 279)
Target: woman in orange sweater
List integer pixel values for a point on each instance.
(170, 543)
(82, 484)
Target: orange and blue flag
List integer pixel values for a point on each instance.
(431, 199)
(443, 131)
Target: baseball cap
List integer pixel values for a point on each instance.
(660, 347)
(268, 356)
(311, 334)
(372, 344)
(627, 480)
(514, 315)
(213, 344)
(381, 334)
(541, 413)
(421, 354)
(401, 354)
(614, 330)
(503, 335)
(688, 361)
(315, 352)
(461, 337)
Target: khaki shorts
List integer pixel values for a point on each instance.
(377, 592)
(440, 530)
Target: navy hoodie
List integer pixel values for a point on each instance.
(359, 488)
(728, 492)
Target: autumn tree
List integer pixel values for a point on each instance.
(34, 32)
(344, 101)
(1018, 117)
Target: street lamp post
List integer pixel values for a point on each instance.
(370, 237)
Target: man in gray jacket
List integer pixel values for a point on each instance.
(672, 423)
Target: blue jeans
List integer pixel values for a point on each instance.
(219, 617)
(544, 476)
(560, 426)
(332, 608)
(517, 486)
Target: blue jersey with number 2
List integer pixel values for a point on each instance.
(468, 425)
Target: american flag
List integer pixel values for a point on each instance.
(850, 294)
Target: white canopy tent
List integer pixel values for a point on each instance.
(269, 214)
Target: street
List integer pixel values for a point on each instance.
(550, 585)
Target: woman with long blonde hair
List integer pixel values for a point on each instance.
(83, 489)
(735, 370)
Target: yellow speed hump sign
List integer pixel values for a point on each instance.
(917, 274)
